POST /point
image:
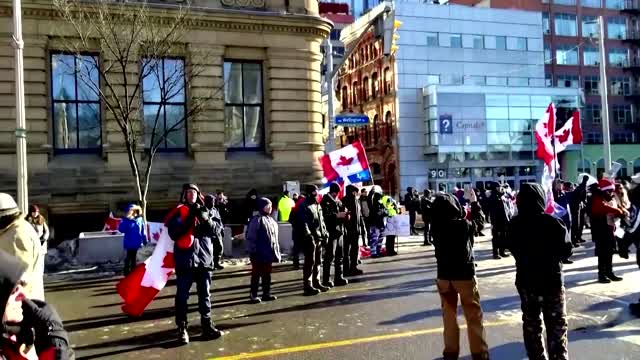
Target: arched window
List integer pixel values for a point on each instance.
(354, 92)
(345, 97)
(387, 80)
(388, 122)
(636, 166)
(624, 172)
(365, 89)
(585, 167)
(374, 85)
(600, 168)
(376, 131)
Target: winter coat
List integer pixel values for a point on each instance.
(378, 212)
(355, 221)
(601, 231)
(452, 238)
(250, 205)
(262, 239)
(538, 241)
(426, 204)
(563, 199)
(330, 209)
(497, 211)
(364, 205)
(310, 221)
(477, 216)
(412, 202)
(202, 225)
(19, 239)
(134, 232)
(40, 226)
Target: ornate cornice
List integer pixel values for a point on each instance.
(222, 20)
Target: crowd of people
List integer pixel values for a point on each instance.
(327, 231)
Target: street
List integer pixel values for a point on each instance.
(391, 312)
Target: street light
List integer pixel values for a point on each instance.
(21, 127)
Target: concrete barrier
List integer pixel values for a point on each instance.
(285, 237)
(100, 247)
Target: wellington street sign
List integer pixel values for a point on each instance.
(352, 120)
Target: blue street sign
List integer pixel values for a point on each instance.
(446, 124)
(352, 119)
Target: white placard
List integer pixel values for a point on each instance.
(398, 225)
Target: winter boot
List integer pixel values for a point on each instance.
(216, 263)
(183, 334)
(613, 277)
(340, 281)
(309, 290)
(603, 279)
(253, 293)
(266, 288)
(209, 331)
(503, 253)
(296, 263)
(321, 287)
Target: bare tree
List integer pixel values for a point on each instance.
(144, 69)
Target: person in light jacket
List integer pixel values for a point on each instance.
(135, 236)
(39, 224)
(264, 250)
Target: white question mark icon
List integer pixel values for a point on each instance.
(446, 124)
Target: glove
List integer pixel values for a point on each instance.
(46, 323)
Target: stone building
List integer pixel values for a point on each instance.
(77, 162)
(366, 85)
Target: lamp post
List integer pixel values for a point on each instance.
(328, 53)
(21, 127)
(604, 97)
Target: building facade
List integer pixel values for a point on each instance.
(266, 51)
(572, 60)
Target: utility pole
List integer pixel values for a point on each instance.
(328, 53)
(21, 127)
(606, 140)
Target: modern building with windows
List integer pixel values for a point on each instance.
(264, 127)
(572, 60)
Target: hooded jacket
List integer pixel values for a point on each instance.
(355, 220)
(19, 239)
(330, 209)
(377, 211)
(134, 232)
(250, 204)
(538, 242)
(310, 219)
(425, 207)
(262, 236)
(452, 238)
(411, 201)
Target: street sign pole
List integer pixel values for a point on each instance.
(328, 53)
(21, 127)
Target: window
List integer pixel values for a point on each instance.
(591, 3)
(345, 97)
(375, 86)
(623, 138)
(568, 81)
(622, 114)
(518, 81)
(589, 26)
(489, 42)
(618, 57)
(565, 2)
(387, 81)
(566, 55)
(354, 93)
(517, 43)
(244, 126)
(376, 131)
(548, 80)
(450, 40)
(591, 56)
(620, 86)
(501, 42)
(338, 50)
(365, 87)
(614, 4)
(616, 28)
(545, 23)
(473, 41)
(432, 39)
(433, 79)
(474, 80)
(592, 114)
(547, 54)
(388, 122)
(594, 138)
(592, 85)
(335, 34)
(496, 81)
(75, 102)
(451, 79)
(565, 24)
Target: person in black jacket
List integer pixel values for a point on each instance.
(412, 204)
(577, 203)
(354, 226)
(499, 221)
(334, 217)
(425, 208)
(250, 205)
(539, 242)
(192, 228)
(453, 239)
(377, 220)
(217, 232)
(314, 235)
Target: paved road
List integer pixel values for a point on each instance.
(392, 312)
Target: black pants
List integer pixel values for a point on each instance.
(497, 240)
(184, 280)
(604, 252)
(312, 259)
(427, 233)
(366, 234)
(391, 245)
(218, 249)
(333, 253)
(351, 252)
(130, 261)
(412, 221)
(297, 247)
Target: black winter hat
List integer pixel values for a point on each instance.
(334, 188)
(309, 189)
(11, 270)
(261, 203)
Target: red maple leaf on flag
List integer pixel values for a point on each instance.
(168, 262)
(344, 161)
(564, 136)
(156, 235)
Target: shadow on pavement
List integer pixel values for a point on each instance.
(163, 339)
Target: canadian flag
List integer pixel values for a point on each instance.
(139, 288)
(347, 162)
(545, 129)
(111, 223)
(569, 134)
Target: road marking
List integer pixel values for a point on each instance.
(334, 344)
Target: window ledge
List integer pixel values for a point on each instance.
(73, 161)
(246, 155)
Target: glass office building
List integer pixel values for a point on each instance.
(478, 134)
